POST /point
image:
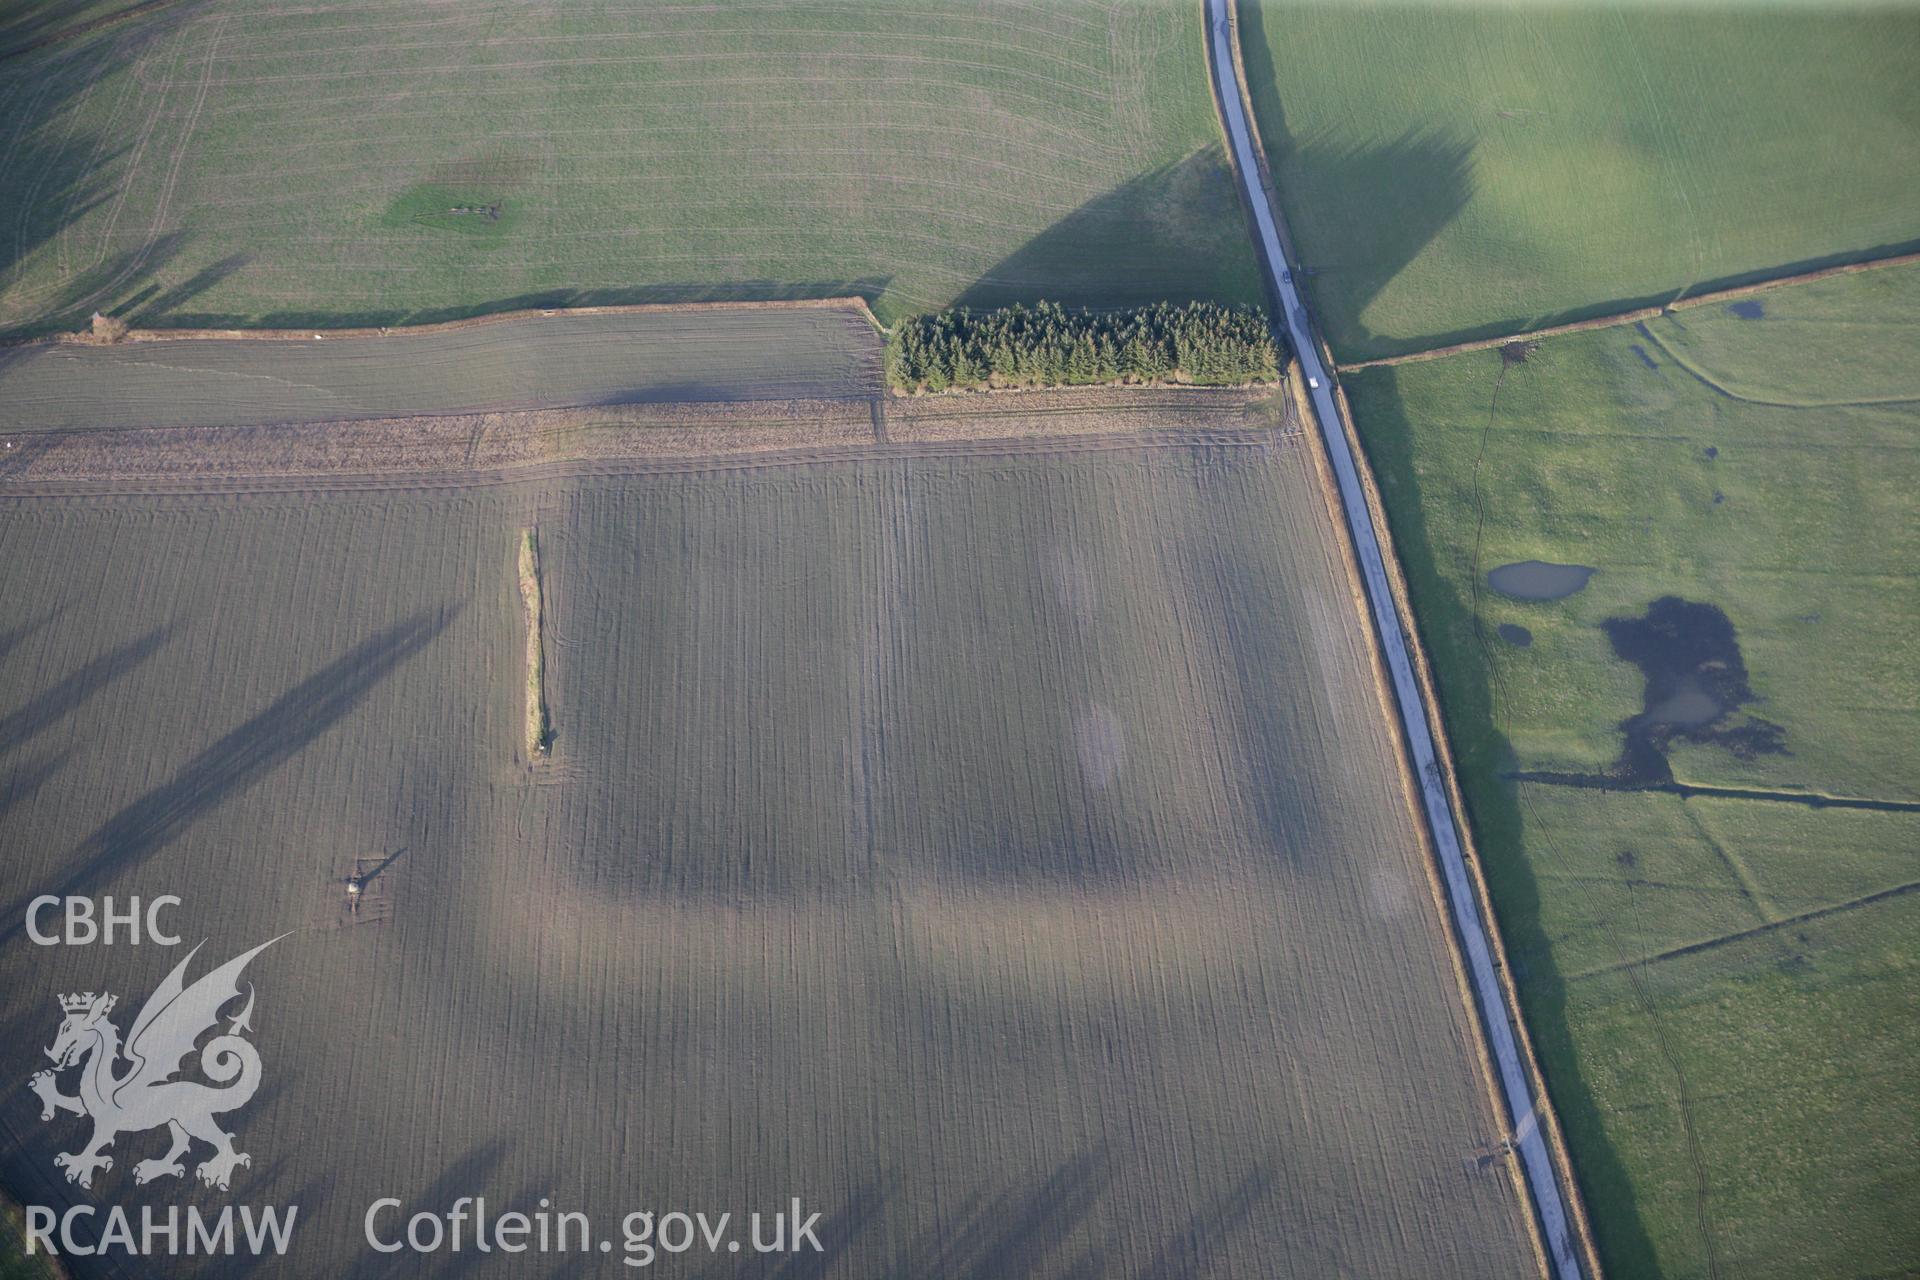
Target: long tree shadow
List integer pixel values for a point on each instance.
(159, 306)
(1177, 226)
(868, 287)
(1426, 176)
(1427, 179)
(13, 637)
(372, 873)
(27, 25)
(19, 727)
(61, 168)
(1429, 175)
(60, 183)
(1444, 620)
(1190, 1254)
(20, 783)
(240, 759)
(466, 1175)
(1021, 1230)
(1029, 1228)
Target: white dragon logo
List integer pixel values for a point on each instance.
(145, 1096)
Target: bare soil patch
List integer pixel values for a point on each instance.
(990, 833)
(488, 448)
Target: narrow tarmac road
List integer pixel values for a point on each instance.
(1526, 1137)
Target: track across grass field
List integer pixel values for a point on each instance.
(1455, 171)
(247, 163)
(997, 844)
(1721, 987)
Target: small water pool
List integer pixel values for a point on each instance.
(1539, 579)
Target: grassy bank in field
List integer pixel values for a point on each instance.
(1722, 989)
(539, 727)
(1002, 851)
(246, 163)
(1452, 171)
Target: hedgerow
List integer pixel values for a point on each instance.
(1048, 346)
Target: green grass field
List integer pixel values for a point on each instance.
(1455, 171)
(1750, 1096)
(246, 162)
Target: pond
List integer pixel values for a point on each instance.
(1539, 579)
(1695, 688)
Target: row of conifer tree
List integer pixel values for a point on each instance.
(1047, 345)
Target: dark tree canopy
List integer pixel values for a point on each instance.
(1047, 346)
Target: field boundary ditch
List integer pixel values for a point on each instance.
(1690, 790)
(1638, 315)
(1754, 931)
